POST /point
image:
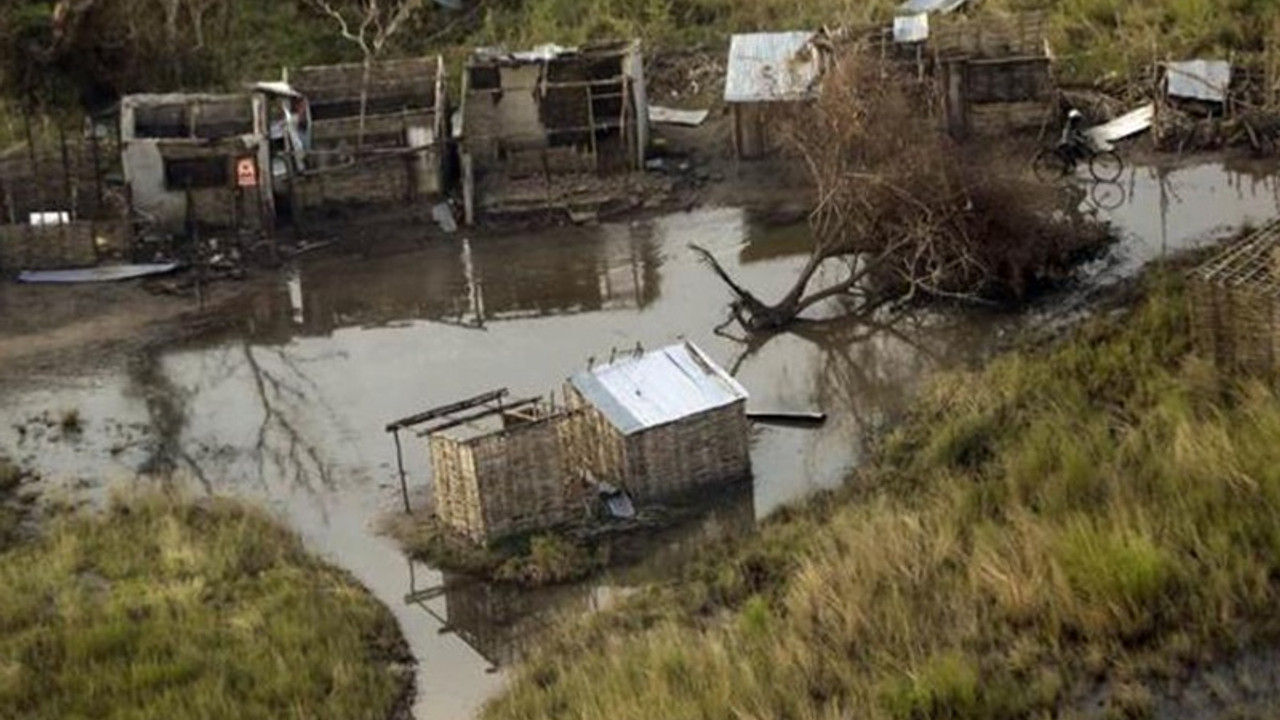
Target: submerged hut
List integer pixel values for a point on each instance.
(661, 423)
(1235, 304)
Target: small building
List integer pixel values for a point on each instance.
(1235, 305)
(994, 73)
(652, 425)
(362, 136)
(195, 161)
(549, 129)
(765, 72)
(662, 423)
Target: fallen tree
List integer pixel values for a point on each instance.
(902, 212)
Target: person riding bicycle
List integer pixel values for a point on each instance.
(1073, 137)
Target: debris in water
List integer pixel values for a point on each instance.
(107, 273)
(789, 418)
(675, 116)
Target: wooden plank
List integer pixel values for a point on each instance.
(443, 410)
(486, 412)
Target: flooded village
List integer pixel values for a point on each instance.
(632, 309)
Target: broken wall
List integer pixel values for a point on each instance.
(529, 119)
(182, 157)
(404, 132)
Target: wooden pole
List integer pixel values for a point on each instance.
(404, 483)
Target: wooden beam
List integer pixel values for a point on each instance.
(484, 413)
(443, 410)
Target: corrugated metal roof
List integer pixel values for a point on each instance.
(912, 7)
(640, 392)
(765, 67)
(1206, 80)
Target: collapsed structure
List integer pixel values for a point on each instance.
(652, 425)
(193, 160)
(1235, 304)
(552, 128)
(352, 134)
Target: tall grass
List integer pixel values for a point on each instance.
(162, 609)
(1104, 507)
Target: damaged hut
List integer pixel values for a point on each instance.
(767, 72)
(1235, 305)
(355, 136)
(661, 423)
(994, 72)
(499, 467)
(647, 426)
(195, 161)
(550, 128)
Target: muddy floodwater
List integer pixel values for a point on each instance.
(285, 405)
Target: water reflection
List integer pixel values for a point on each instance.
(502, 622)
(468, 283)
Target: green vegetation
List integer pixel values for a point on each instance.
(531, 560)
(218, 45)
(1101, 508)
(165, 609)
(12, 511)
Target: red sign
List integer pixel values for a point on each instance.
(246, 172)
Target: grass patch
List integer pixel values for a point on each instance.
(532, 560)
(158, 608)
(1105, 506)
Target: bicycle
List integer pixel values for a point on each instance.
(1059, 161)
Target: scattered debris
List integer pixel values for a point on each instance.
(106, 273)
(788, 418)
(675, 116)
(911, 28)
(1205, 80)
(1127, 125)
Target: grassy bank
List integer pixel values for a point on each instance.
(1104, 508)
(163, 609)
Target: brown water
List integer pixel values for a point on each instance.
(286, 406)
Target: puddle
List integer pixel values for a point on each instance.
(286, 407)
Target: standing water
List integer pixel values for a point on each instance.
(286, 407)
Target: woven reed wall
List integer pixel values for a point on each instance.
(511, 481)
(1236, 327)
(677, 458)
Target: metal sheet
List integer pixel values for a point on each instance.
(107, 273)
(1130, 123)
(913, 7)
(767, 67)
(675, 116)
(1206, 80)
(911, 28)
(640, 392)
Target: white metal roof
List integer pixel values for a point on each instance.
(766, 67)
(638, 392)
(1206, 80)
(912, 7)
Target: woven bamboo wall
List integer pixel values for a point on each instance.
(1236, 327)
(511, 481)
(1235, 305)
(677, 458)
